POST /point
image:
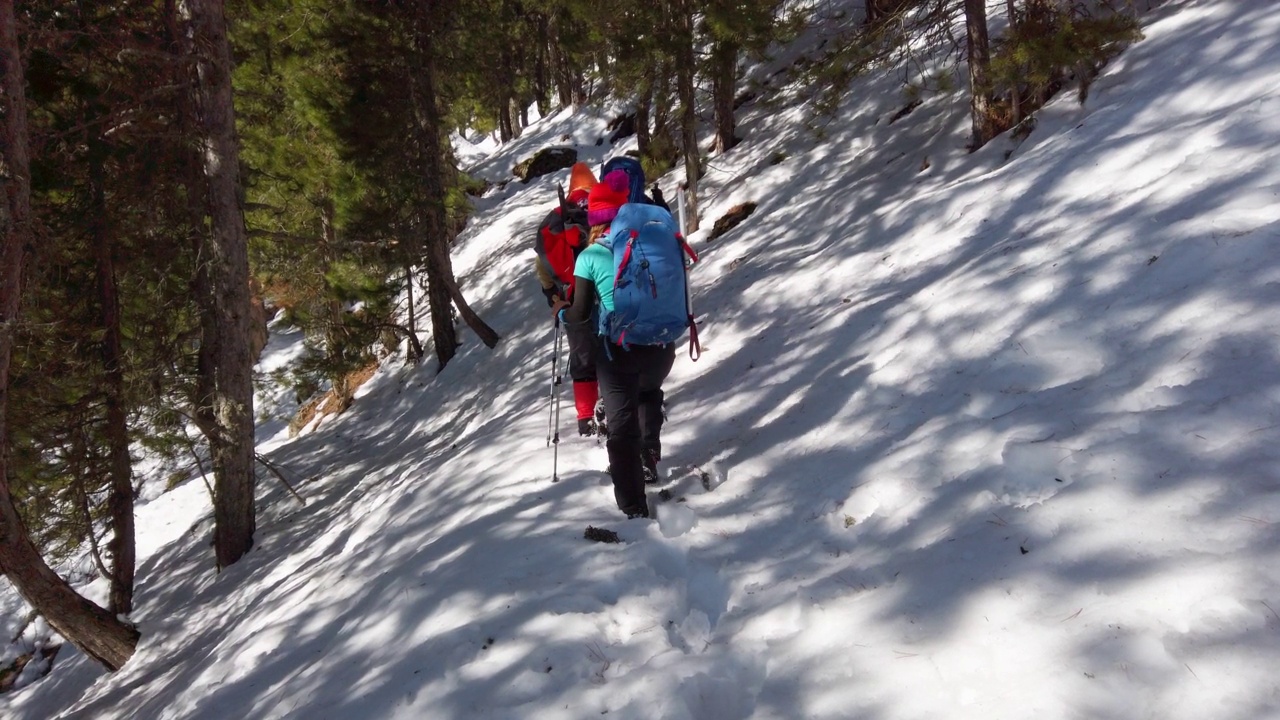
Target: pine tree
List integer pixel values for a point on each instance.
(91, 628)
(231, 437)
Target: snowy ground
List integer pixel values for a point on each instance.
(987, 436)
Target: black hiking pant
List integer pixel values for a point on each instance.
(631, 385)
(582, 351)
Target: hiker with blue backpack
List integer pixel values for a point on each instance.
(630, 285)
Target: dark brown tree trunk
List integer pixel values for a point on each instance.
(122, 546)
(334, 341)
(643, 107)
(541, 70)
(1015, 92)
(232, 444)
(975, 20)
(559, 69)
(688, 111)
(89, 627)
(724, 82)
(662, 126)
(581, 96)
(506, 129)
(442, 287)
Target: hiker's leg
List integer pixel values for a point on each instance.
(620, 388)
(582, 367)
(654, 366)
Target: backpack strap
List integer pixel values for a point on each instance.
(626, 257)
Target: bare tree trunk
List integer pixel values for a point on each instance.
(233, 442)
(560, 75)
(122, 546)
(975, 20)
(415, 347)
(724, 68)
(644, 106)
(442, 289)
(542, 60)
(1015, 92)
(683, 21)
(506, 129)
(89, 627)
(334, 327)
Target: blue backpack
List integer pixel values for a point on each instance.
(650, 286)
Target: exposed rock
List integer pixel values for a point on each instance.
(601, 535)
(623, 126)
(730, 220)
(544, 162)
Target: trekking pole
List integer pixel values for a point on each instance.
(695, 348)
(555, 379)
(555, 454)
(680, 205)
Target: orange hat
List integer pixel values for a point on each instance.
(606, 197)
(580, 181)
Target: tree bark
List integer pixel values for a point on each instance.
(442, 287)
(979, 51)
(644, 105)
(1015, 92)
(688, 111)
(560, 76)
(724, 82)
(87, 626)
(334, 329)
(232, 444)
(122, 546)
(415, 347)
(541, 83)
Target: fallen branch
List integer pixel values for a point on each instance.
(276, 471)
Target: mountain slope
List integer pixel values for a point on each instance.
(990, 435)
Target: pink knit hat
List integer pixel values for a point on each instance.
(606, 197)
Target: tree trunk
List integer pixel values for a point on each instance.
(975, 20)
(688, 111)
(1015, 92)
(232, 444)
(724, 68)
(442, 287)
(334, 327)
(506, 129)
(559, 64)
(643, 106)
(122, 547)
(415, 347)
(541, 82)
(87, 626)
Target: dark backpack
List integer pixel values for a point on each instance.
(635, 176)
(561, 236)
(650, 284)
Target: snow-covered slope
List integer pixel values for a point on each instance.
(973, 436)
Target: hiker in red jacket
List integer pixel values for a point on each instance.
(561, 236)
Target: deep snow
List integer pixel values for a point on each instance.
(973, 436)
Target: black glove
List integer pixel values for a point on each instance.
(574, 215)
(657, 194)
(552, 295)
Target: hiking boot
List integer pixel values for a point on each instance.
(639, 511)
(602, 427)
(650, 461)
(586, 427)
